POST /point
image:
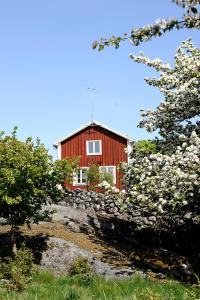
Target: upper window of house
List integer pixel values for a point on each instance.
(94, 147)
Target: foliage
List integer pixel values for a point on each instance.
(97, 179)
(190, 19)
(143, 148)
(93, 176)
(168, 182)
(108, 177)
(18, 269)
(72, 294)
(29, 179)
(46, 286)
(80, 266)
(165, 178)
(180, 88)
(148, 294)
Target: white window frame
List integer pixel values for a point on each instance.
(75, 177)
(114, 172)
(94, 153)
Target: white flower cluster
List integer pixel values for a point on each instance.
(166, 182)
(187, 3)
(107, 187)
(181, 89)
(145, 33)
(169, 181)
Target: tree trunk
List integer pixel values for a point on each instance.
(13, 239)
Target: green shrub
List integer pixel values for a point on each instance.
(93, 177)
(80, 266)
(108, 177)
(83, 271)
(149, 294)
(18, 269)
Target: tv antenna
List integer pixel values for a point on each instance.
(91, 89)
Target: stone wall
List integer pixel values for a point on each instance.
(107, 205)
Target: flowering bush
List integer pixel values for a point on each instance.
(168, 181)
(107, 187)
(180, 86)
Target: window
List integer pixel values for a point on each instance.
(80, 177)
(109, 169)
(94, 147)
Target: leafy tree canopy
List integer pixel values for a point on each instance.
(29, 179)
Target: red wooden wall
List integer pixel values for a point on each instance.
(112, 148)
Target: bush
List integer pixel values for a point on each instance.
(149, 294)
(108, 177)
(93, 177)
(18, 269)
(81, 266)
(30, 179)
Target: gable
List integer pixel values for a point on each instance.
(91, 124)
(95, 132)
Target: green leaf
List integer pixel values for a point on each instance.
(194, 10)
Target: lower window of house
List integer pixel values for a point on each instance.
(81, 176)
(109, 169)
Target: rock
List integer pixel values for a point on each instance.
(63, 203)
(160, 276)
(110, 272)
(152, 219)
(97, 206)
(188, 215)
(96, 223)
(3, 221)
(60, 254)
(73, 226)
(108, 226)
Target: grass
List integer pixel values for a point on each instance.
(45, 286)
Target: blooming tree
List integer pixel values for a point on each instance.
(190, 19)
(179, 111)
(168, 181)
(164, 176)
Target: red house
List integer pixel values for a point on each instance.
(95, 143)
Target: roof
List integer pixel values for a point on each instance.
(92, 123)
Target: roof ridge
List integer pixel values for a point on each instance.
(92, 122)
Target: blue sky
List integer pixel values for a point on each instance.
(47, 65)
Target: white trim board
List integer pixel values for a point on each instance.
(92, 123)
